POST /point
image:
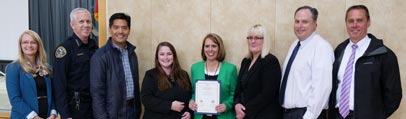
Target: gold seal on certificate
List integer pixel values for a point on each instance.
(207, 96)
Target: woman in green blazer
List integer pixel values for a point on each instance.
(213, 67)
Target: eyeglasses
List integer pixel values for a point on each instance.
(29, 42)
(254, 38)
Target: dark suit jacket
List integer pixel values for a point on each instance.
(158, 103)
(377, 87)
(22, 91)
(258, 88)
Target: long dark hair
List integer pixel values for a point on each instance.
(181, 76)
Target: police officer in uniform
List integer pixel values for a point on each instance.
(72, 69)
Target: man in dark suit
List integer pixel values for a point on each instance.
(366, 78)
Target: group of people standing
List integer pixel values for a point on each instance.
(86, 81)
(103, 83)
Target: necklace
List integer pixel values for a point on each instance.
(206, 69)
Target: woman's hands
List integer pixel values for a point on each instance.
(239, 110)
(186, 115)
(177, 106)
(219, 108)
(193, 105)
(52, 116)
(37, 117)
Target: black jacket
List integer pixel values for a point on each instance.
(377, 87)
(107, 82)
(158, 103)
(71, 74)
(258, 88)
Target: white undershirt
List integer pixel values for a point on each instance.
(362, 47)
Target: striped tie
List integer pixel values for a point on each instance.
(344, 107)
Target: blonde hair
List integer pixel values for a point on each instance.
(258, 29)
(40, 55)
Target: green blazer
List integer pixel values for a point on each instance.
(228, 78)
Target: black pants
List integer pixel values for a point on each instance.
(84, 112)
(298, 113)
(43, 108)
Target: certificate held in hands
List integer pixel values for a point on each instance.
(207, 96)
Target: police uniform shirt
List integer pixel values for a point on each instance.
(72, 69)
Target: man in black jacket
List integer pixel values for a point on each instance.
(114, 76)
(366, 78)
(70, 84)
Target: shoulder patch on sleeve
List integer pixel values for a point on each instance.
(60, 52)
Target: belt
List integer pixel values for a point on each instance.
(291, 109)
(130, 102)
(41, 97)
(81, 97)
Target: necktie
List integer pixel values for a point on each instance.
(344, 107)
(285, 76)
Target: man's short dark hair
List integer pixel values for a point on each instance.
(314, 11)
(120, 16)
(363, 7)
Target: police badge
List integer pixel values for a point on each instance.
(60, 52)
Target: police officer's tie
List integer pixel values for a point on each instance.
(285, 76)
(344, 107)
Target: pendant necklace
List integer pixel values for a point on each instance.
(214, 73)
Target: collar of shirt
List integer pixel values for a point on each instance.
(362, 46)
(90, 43)
(119, 48)
(306, 41)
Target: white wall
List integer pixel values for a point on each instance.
(14, 21)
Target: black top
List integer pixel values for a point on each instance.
(210, 77)
(41, 87)
(158, 103)
(258, 88)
